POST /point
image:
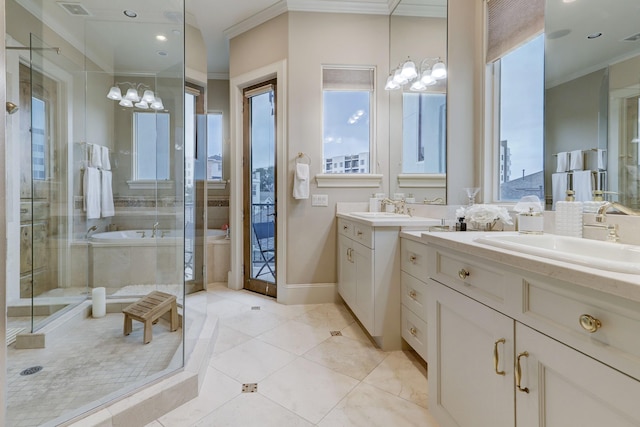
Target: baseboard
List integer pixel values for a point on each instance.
(312, 293)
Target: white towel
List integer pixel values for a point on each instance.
(106, 201)
(602, 159)
(104, 155)
(559, 187)
(576, 160)
(95, 156)
(91, 188)
(583, 186)
(563, 163)
(301, 181)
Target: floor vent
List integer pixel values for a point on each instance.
(255, 307)
(74, 9)
(32, 370)
(250, 388)
(336, 333)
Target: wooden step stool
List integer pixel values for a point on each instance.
(148, 310)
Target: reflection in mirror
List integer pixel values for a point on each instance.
(592, 80)
(418, 43)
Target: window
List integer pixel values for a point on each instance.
(214, 146)
(151, 146)
(347, 121)
(519, 78)
(424, 136)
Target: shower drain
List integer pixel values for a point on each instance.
(32, 370)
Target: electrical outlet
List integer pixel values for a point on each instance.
(319, 200)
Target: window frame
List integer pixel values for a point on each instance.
(341, 179)
(137, 183)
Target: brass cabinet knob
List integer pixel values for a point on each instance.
(345, 227)
(413, 258)
(590, 323)
(413, 294)
(413, 331)
(463, 274)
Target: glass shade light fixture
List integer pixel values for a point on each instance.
(132, 97)
(431, 71)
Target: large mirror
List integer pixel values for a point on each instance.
(592, 79)
(418, 113)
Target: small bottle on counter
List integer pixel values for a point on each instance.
(461, 225)
(374, 204)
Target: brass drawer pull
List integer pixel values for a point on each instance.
(463, 274)
(413, 294)
(413, 331)
(413, 258)
(345, 227)
(519, 373)
(496, 356)
(359, 233)
(590, 323)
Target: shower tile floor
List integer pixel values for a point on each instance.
(71, 378)
(304, 375)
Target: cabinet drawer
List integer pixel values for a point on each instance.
(470, 276)
(414, 331)
(556, 308)
(414, 295)
(413, 258)
(363, 234)
(345, 228)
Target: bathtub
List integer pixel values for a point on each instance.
(123, 258)
(216, 235)
(135, 238)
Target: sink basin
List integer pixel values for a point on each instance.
(591, 253)
(379, 215)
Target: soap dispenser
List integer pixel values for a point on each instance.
(530, 222)
(569, 217)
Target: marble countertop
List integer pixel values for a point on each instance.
(614, 283)
(391, 221)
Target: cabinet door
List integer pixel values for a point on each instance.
(364, 305)
(346, 270)
(568, 388)
(466, 388)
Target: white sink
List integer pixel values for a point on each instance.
(379, 215)
(591, 253)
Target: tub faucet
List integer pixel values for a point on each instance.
(93, 228)
(155, 230)
(601, 215)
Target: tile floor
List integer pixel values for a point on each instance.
(305, 376)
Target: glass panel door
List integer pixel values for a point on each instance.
(260, 208)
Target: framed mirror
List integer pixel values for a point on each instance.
(592, 93)
(418, 106)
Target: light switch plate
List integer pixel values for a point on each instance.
(319, 200)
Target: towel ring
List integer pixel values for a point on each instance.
(301, 157)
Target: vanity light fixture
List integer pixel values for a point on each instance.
(431, 70)
(132, 97)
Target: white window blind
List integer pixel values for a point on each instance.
(347, 78)
(511, 23)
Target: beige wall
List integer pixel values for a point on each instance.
(352, 40)
(195, 55)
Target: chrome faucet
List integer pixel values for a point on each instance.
(436, 201)
(93, 228)
(155, 230)
(601, 215)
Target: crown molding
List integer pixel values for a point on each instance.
(381, 7)
(423, 11)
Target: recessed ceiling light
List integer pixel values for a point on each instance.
(130, 13)
(162, 53)
(594, 36)
(161, 38)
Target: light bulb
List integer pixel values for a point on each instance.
(126, 103)
(398, 78)
(418, 86)
(157, 104)
(409, 70)
(427, 78)
(439, 71)
(114, 93)
(132, 95)
(148, 96)
(142, 105)
(391, 84)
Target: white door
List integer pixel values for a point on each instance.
(470, 358)
(567, 388)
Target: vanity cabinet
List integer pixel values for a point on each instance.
(369, 279)
(508, 347)
(414, 294)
